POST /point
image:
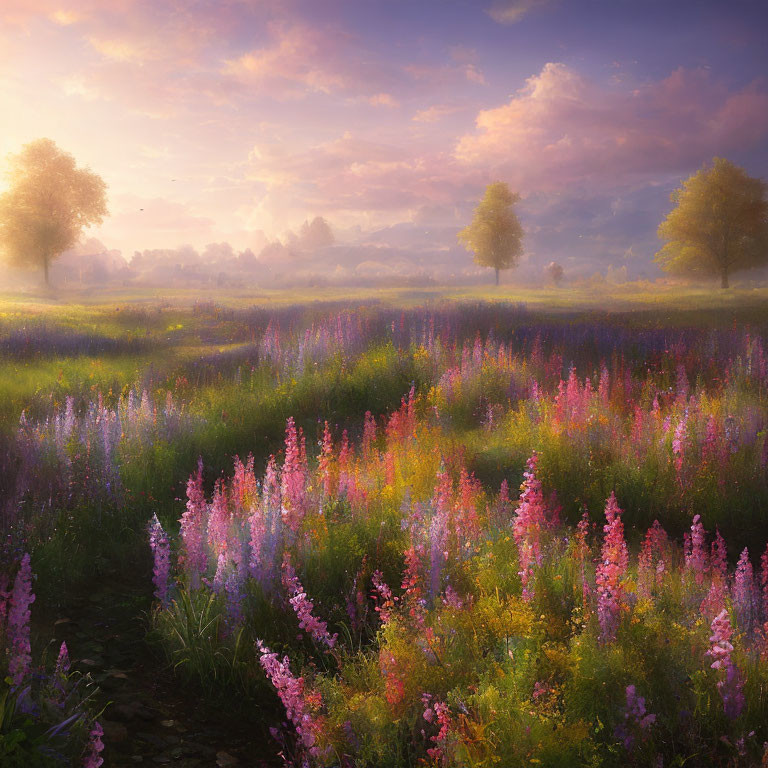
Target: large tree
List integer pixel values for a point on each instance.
(719, 224)
(47, 205)
(495, 235)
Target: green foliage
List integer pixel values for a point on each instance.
(719, 224)
(48, 204)
(495, 235)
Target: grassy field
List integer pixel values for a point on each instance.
(361, 458)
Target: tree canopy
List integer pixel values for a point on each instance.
(719, 224)
(316, 234)
(495, 235)
(48, 204)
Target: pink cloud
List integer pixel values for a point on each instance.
(562, 128)
(434, 114)
(354, 177)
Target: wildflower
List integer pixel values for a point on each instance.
(744, 593)
(17, 632)
(582, 552)
(219, 519)
(637, 720)
(696, 552)
(614, 560)
(161, 550)
(731, 686)
(650, 565)
(384, 594)
(438, 712)
(303, 607)
(193, 522)
(679, 442)
(412, 578)
(369, 433)
(291, 693)
(94, 748)
(528, 526)
(62, 662)
(325, 461)
(294, 476)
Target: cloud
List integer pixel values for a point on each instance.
(298, 57)
(355, 181)
(383, 100)
(512, 11)
(433, 114)
(562, 128)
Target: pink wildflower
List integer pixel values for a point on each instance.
(614, 560)
(193, 522)
(161, 551)
(94, 748)
(17, 632)
(218, 522)
(62, 662)
(294, 477)
(651, 556)
(383, 593)
(303, 607)
(325, 461)
(412, 580)
(528, 527)
(731, 686)
(696, 554)
(291, 693)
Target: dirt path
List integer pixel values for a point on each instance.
(149, 719)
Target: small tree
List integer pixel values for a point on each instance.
(48, 204)
(719, 224)
(316, 235)
(554, 272)
(495, 235)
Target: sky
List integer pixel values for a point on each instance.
(236, 120)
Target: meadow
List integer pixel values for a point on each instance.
(435, 527)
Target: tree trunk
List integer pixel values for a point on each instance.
(45, 269)
(497, 275)
(724, 279)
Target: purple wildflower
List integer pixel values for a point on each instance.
(161, 550)
(19, 648)
(93, 758)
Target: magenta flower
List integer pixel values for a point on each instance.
(696, 552)
(385, 600)
(218, 520)
(731, 687)
(294, 477)
(62, 662)
(95, 747)
(193, 524)
(161, 551)
(528, 527)
(614, 560)
(303, 607)
(291, 692)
